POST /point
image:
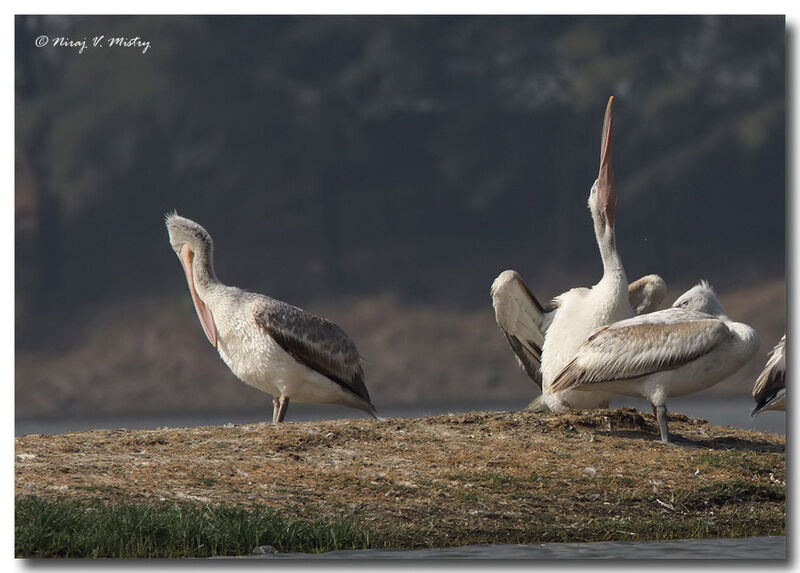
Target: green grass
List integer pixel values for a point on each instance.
(753, 462)
(488, 479)
(46, 528)
(728, 493)
(736, 508)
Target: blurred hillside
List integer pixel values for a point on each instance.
(380, 171)
(152, 356)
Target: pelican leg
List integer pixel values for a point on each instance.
(283, 403)
(661, 417)
(275, 408)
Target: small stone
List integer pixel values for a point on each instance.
(264, 550)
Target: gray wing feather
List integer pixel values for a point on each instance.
(642, 345)
(645, 294)
(311, 340)
(773, 378)
(523, 321)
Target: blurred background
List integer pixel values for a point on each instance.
(381, 172)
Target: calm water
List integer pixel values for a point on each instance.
(726, 411)
(739, 548)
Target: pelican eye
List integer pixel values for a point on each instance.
(684, 303)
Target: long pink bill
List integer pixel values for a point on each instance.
(606, 191)
(203, 312)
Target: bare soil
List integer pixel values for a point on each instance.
(444, 480)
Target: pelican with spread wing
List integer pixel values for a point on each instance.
(545, 337)
(524, 321)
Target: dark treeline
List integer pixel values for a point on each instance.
(419, 155)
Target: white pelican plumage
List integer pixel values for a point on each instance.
(546, 338)
(271, 345)
(524, 321)
(667, 353)
(769, 391)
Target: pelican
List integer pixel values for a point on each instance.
(672, 352)
(268, 344)
(524, 321)
(770, 389)
(572, 316)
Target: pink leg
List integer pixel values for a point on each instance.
(283, 404)
(275, 408)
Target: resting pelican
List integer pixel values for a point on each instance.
(770, 389)
(268, 344)
(572, 316)
(672, 352)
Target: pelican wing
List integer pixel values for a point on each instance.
(523, 321)
(642, 345)
(315, 342)
(771, 384)
(646, 293)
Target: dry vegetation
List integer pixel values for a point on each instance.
(445, 480)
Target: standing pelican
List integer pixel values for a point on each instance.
(770, 389)
(268, 344)
(667, 353)
(572, 316)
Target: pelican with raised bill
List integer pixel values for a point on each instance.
(544, 338)
(769, 391)
(268, 344)
(667, 353)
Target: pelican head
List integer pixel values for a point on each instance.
(194, 247)
(603, 196)
(184, 232)
(701, 298)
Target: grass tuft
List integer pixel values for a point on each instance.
(80, 529)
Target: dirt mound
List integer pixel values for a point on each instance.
(474, 477)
